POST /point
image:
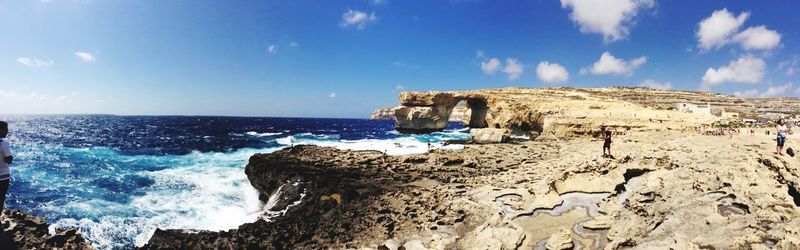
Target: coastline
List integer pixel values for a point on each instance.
(664, 189)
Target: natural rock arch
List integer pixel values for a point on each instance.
(430, 111)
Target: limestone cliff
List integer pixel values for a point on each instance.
(382, 114)
(576, 112)
(460, 113)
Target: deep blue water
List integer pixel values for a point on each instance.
(118, 178)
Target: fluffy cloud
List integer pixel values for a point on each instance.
(716, 30)
(491, 66)
(653, 84)
(513, 69)
(85, 56)
(551, 72)
(758, 38)
(775, 91)
(611, 18)
(610, 65)
(358, 19)
(272, 49)
(746, 69)
(35, 62)
(722, 26)
(294, 44)
(332, 95)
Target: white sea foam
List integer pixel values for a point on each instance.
(254, 133)
(398, 146)
(207, 191)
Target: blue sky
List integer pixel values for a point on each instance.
(344, 58)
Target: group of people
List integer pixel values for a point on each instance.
(782, 131)
(721, 131)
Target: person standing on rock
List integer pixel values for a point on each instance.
(607, 144)
(782, 130)
(5, 172)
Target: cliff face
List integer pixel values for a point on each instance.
(382, 114)
(460, 113)
(577, 112)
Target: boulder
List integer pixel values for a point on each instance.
(561, 240)
(490, 135)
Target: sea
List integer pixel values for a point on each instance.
(118, 178)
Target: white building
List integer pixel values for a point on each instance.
(695, 109)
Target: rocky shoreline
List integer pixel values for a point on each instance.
(668, 189)
(23, 231)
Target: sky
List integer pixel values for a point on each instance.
(303, 58)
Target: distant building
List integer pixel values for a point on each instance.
(749, 122)
(695, 109)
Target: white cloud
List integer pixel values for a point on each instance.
(791, 66)
(746, 69)
(358, 19)
(717, 29)
(653, 84)
(492, 66)
(332, 95)
(610, 65)
(479, 54)
(294, 44)
(611, 18)
(272, 49)
(7, 94)
(36, 96)
(551, 72)
(747, 93)
(513, 69)
(85, 56)
(399, 88)
(774, 91)
(35, 62)
(722, 26)
(758, 38)
(379, 2)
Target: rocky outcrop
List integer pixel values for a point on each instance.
(563, 112)
(353, 199)
(460, 113)
(490, 135)
(426, 112)
(23, 231)
(665, 189)
(382, 114)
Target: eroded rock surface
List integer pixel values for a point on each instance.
(23, 231)
(663, 190)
